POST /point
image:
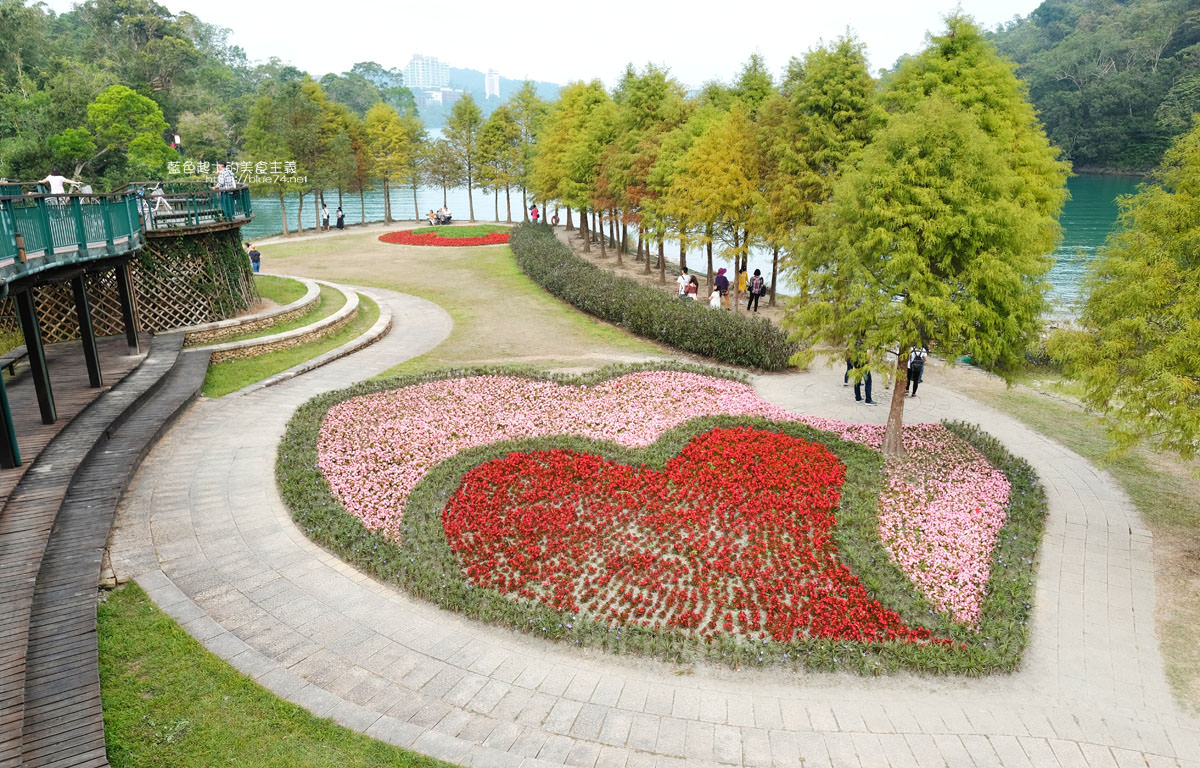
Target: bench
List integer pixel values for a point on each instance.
(13, 356)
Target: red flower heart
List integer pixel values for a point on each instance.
(732, 536)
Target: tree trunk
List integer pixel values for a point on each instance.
(599, 215)
(525, 208)
(774, 273)
(682, 252)
(317, 208)
(708, 231)
(416, 207)
(624, 237)
(283, 212)
(387, 202)
(893, 438)
(583, 231)
(648, 264)
(508, 204)
(470, 197)
(299, 212)
(570, 226)
(662, 263)
(640, 254)
(362, 206)
(444, 203)
(497, 202)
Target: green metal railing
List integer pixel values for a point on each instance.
(172, 204)
(40, 232)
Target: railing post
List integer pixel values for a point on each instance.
(80, 230)
(27, 312)
(44, 225)
(106, 208)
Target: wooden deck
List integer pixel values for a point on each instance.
(55, 522)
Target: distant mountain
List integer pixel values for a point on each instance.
(472, 81)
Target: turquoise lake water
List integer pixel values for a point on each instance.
(1087, 219)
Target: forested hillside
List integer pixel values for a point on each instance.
(1114, 81)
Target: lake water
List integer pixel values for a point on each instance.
(1087, 218)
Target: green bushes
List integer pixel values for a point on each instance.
(642, 310)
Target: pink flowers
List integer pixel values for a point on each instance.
(939, 512)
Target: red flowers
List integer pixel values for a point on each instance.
(406, 237)
(733, 536)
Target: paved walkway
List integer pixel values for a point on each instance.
(203, 530)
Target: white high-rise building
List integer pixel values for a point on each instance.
(491, 84)
(426, 72)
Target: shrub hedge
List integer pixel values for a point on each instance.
(688, 325)
(424, 564)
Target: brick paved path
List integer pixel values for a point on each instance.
(204, 532)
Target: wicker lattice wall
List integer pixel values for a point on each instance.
(180, 281)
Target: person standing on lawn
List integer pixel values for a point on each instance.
(255, 256)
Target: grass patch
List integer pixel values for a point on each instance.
(424, 563)
(232, 375)
(281, 290)
(457, 232)
(168, 701)
(329, 302)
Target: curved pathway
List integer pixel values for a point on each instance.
(204, 532)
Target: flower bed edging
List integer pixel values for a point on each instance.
(406, 237)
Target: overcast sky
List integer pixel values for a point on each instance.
(698, 41)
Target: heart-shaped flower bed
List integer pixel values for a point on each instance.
(733, 536)
(444, 236)
(935, 541)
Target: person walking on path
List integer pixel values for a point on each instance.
(722, 287)
(682, 281)
(757, 288)
(225, 185)
(692, 290)
(324, 218)
(341, 218)
(255, 256)
(916, 368)
(742, 283)
(534, 213)
(714, 299)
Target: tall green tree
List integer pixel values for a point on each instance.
(529, 111)
(442, 167)
(119, 121)
(501, 154)
(1137, 351)
(462, 137)
(938, 232)
(391, 148)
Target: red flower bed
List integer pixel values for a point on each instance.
(406, 237)
(733, 536)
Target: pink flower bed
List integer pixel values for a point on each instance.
(940, 510)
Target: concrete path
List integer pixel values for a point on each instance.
(204, 532)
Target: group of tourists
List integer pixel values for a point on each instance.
(341, 218)
(442, 216)
(914, 372)
(753, 286)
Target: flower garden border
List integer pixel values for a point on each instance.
(424, 564)
(407, 237)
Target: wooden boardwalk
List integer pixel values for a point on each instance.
(53, 529)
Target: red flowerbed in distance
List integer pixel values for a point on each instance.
(733, 536)
(406, 237)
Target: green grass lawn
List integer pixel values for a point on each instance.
(281, 290)
(232, 375)
(169, 702)
(330, 301)
(453, 233)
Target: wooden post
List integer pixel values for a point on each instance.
(80, 230)
(128, 307)
(27, 312)
(87, 333)
(10, 452)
